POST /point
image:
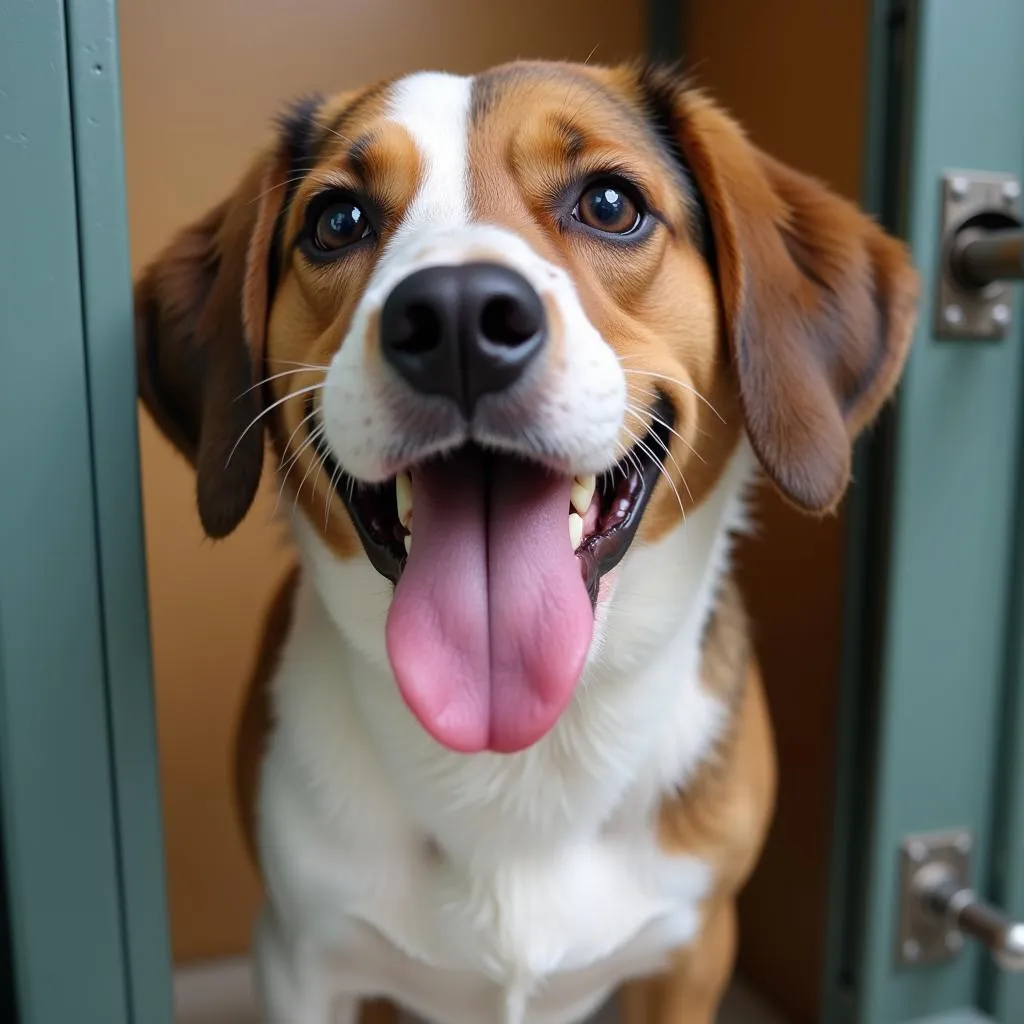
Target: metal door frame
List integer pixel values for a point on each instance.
(927, 623)
(81, 828)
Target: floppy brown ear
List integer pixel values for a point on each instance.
(200, 322)
(818, 302)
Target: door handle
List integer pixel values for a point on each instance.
(981, 255)
(962, 910)
(939, 909)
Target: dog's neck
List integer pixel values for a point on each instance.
(641, 724)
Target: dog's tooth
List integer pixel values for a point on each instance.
(403, 497)
(408, 542)
(575, 529)
(582, 492)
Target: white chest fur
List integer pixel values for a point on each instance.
(492, 888)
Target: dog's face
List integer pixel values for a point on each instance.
(501, 330)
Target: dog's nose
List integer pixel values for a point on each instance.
(462, 331)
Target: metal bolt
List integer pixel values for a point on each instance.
(911, 949)
(917, 851)
(1011, 191)
(959, 187)
(963, 843)
(954, 942)
(954, 315)
(1001, 314)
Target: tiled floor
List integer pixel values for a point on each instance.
(221, 994)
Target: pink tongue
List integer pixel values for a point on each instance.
(491, 621)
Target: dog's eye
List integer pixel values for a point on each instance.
(340, 224)
(607, 207)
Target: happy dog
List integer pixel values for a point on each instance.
(519, 344)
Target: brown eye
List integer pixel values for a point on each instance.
(341, 224)
(606, 207)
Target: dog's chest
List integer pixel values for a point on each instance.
(501, 930)
(527, 938)
(512, 890)
(557, 936)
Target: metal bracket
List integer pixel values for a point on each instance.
(972, 199)
(924, 937)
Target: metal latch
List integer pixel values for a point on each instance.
(981, 253)
(939, 909)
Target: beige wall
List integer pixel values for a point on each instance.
(794, 72)
(202, 79)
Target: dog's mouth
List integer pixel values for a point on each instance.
(497, 563)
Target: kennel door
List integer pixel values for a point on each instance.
(83, 895)
(932, 714)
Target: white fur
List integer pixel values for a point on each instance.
(483, 889)
(434, 109)
(575, 397)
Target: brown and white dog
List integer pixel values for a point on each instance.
(520, 342)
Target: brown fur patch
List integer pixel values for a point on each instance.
(538, 137)
(200, 317)
(316, 304)
(818, 302)
(255, 721)
(721, 815)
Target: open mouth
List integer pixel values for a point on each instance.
(602, 515)
(497, 563)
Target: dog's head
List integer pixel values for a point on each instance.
(515, 325)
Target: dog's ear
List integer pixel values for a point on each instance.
(200, 321)
(817, 301)
(201, 313)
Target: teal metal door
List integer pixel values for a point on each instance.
(934, 632)
(79, 803)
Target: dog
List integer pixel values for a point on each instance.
(521, 343)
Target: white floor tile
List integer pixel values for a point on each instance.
(221, 993)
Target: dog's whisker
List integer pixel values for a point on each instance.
(624, 455)
(635, 391)
(661, 469)
(302, 482)
(668, 450)
(282, 467)
(322, 461)
(320, 123)
(641, 414)
(678, 383)
(275, 376)
(269, 409)
(321, 178)
(292, 179)
(591, 93)
(630, 456)
(304, 366)
(573, 88)
(328, 503)
(313, 437)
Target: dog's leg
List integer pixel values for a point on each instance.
(691, 990)
(291, 983)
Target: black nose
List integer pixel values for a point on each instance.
(462, 331)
